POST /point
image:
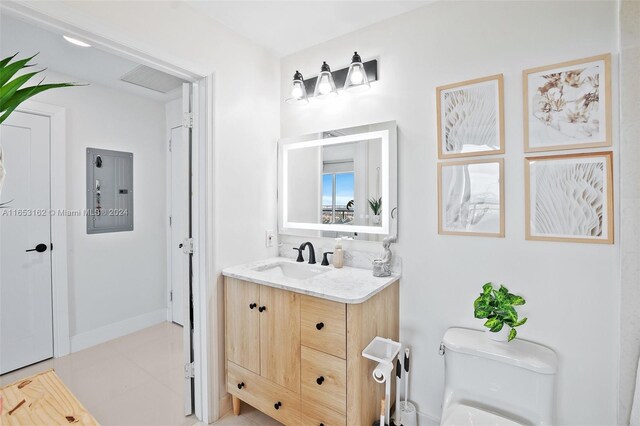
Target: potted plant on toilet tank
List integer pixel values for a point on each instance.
(12, 92)
(498, 308)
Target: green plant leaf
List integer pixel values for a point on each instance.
(492, 323)
(24, 94)
(512, 334)
(519, 323)
(481, 313)
(5, 61)
(486, 289)
(516, 300)
(9, 70)
(12, 87)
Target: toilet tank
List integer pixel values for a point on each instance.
(514, 379)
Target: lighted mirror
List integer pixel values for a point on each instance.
(339, 183)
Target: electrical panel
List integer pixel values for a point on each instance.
(109, 191)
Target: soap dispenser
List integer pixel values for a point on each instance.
(338, 254)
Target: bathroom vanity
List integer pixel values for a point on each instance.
(294, 339)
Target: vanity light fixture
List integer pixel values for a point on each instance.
(298, 90)
(325, 86)
(75, 41)
(357, 80)
(356, 77)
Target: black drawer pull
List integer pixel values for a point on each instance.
(252, 305)
(240, 385)
(320, 380)
(277, 405)
(320, 325)
(262, 308)
(321, 424)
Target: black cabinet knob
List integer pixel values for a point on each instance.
(277, 405)
(320, 325)
(252, 305)
(240, 385)
(262, 308)
(321, 424)
(320, 380)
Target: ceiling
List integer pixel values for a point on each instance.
(83, 64)
(286, 27)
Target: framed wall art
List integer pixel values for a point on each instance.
(471, 198)
(569, 198)
(568, 105)
(471, 118)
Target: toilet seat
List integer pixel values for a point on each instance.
(466, 415)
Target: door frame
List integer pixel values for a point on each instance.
(57, 162)
(207, 391)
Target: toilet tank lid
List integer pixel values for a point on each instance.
(520, 353)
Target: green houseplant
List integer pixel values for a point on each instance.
(13, 92)
(376, 208)
(498, 308)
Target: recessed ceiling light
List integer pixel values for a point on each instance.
(76, 41)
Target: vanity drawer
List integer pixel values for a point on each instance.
(316, 415)
(264, 395)
(324, 380)
(324, 325)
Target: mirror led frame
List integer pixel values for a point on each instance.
(386, 132)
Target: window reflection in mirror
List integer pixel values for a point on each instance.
(334, 183)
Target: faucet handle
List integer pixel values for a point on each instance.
(300, 258)
(325, 261)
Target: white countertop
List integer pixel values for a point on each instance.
(345, 285)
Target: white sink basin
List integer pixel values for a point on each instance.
(297, 271)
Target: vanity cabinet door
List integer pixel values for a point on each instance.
(280, 337)
(243, 324)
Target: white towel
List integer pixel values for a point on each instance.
(635, 407)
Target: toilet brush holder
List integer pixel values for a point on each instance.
(408, 414)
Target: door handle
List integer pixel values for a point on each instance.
(40, 248)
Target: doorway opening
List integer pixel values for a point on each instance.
(121, 293)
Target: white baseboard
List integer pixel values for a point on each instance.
(118, 329)
(425, 419)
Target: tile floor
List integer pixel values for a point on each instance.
(135, 380)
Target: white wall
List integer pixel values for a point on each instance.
(117, 281)
(571, 289)
(629, 204)
(246, 116)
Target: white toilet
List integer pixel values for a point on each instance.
(495, 383)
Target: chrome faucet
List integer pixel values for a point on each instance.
(312, 253)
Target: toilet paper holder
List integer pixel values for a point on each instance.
(383, 351)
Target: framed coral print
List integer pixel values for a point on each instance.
(570, 198)
(471, 118)
(568, 105)
(471, 198)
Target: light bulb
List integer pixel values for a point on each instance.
(325, 87)
(356, 76)
(296, 92)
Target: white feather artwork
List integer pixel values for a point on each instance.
(471, 198)
(470, 120)
(470, 117)
(570, 198)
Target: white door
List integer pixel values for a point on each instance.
(26, 317)
(179, 223)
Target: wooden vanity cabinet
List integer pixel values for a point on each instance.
(298, 358)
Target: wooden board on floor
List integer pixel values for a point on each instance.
(42, 399)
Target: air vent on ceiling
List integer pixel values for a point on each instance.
(152, 79)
